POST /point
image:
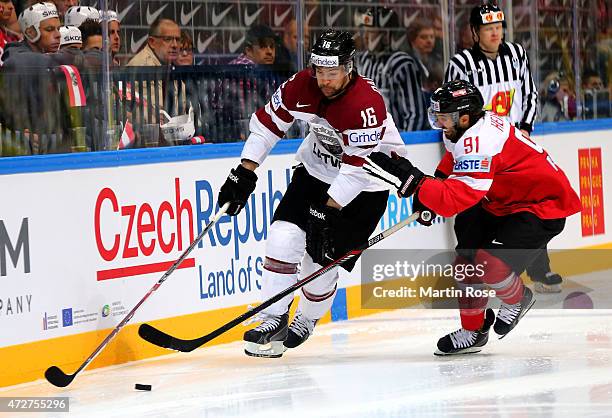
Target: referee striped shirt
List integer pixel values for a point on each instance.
(398, 77)
(506, 83)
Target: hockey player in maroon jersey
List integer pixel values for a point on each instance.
(524, 200)
(331, 204)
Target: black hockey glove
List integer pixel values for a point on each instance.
(397, 171)
(321, 228)
(237, 188)
(427, 215)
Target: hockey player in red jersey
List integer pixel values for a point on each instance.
(524, 200)
(331, 204)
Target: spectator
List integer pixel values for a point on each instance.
(421, 37)
(558, 99)
(71, 38)
(162, 46)
(6, 8)
(40, 25)
(260, 47)
(12, 31)
(185, 56)
(466, 40)
(397, 75)
(286, 54)
(114, 34)
(591, 80)
(91, 32)
(77, 15)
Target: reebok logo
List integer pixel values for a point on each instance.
(217, 18)
(152, 16)
(317, 214)
(186, 18)
(278, 19)
(250, 18)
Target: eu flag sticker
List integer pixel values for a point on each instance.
(67, 317)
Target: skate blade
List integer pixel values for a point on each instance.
(274, 349)
(520, 317)
(471, 350)
(546, 288)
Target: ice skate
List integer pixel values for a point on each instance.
(301, 328)
(509, 315)
(266, 339)
(550, 283)
(464, 341)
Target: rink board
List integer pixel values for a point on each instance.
(81, 246)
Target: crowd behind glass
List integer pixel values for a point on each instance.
(145, 74)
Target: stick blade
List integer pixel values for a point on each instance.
(161, 339)
(57, 377)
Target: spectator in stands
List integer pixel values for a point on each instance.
(71, 38)
(185, 56)
(260, 47)
(591, 80)
(162, 45)
(286, 54)
(63, 6)
(559, 102)
(465, 39)
(10, 26)
(114, 34)
(421, 37)
(91, 32)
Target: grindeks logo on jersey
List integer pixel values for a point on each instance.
(364, 137)
(473, 164)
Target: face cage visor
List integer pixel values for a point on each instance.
(434, 118)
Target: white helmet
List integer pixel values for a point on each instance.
(179, 128)
(76, 15)
(70, 35)
(109, 15)
(33, 15)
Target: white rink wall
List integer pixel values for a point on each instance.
(80, 246)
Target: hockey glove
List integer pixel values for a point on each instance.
(397, 171)
(237, 188)
(321, 225)
(427, 215)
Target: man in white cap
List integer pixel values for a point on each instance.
(40, 24)
(71, 38)
(76, 15)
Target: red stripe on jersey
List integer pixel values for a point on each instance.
(283, 114)
(267, 121)
(353, 160)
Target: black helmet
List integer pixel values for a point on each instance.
(333, 48)
(458, 98)
(486, 14)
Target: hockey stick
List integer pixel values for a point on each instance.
(161, 339)
(58, 378)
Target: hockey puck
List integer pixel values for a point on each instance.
(139, 386)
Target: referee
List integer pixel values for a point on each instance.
(501, 72)
(397, 75)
